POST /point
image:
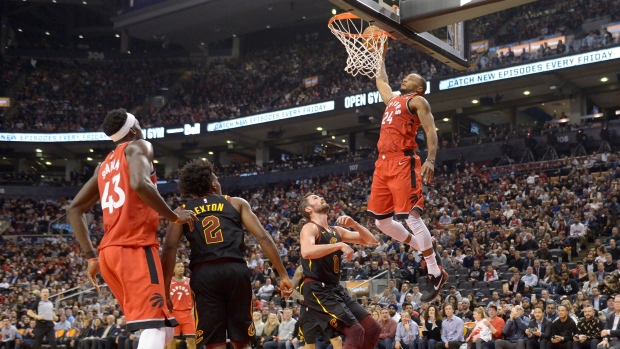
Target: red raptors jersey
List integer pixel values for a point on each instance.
(127, 220)
(399, 126)
(181, 295)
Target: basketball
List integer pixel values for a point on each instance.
(371, 37)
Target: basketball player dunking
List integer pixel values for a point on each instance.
(125, 183)
(397, 180)
(220, 278)
(321, 251)
(182, 302)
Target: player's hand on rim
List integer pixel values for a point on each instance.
(345, 221)
(185, 216)
(92, 271)
(427, 172)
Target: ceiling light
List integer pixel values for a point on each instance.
(84, 2)
(319, 128)
(89, 158)
(436, 128)
(47, 33)
(228, 141)
(527, 93)
(543, 104)
(91, 150)
(210, 153)
(118, 35)
(303, 17)
(344, 141)
(234, 35)
(19, 30)
(80, 36)
(48, 163)
(202, 44)
(333, 137)
(475, 101)
(204, 159)
(604, 79)
(4, 158)
(334, 11)
(38, 150)
(156, 161)
(446, 119)
(268, 26)
(54, 1)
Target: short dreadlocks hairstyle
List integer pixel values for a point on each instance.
(196, 177)
(303, 204)
(114, 121)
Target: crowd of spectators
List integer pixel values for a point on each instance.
(74, 96)
(500, 232)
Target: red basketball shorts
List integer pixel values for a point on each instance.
(396, 186)
(135, 277)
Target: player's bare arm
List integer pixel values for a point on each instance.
(253, 225)
(361, 235)
(86, 198)
(420, 106)
(168, 257)
(310, 250)
(383, 84)
(299, 274)
(139, 156)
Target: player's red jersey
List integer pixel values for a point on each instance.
(128, 221)
(399, 126)
(181, 295)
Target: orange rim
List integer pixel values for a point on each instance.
(349, 15)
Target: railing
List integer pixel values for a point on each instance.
(78, 294)
(61, 223)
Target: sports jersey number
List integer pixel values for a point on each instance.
(107, 201)
(336, 264)
(212, 231)
(180, 295)
(387, 117)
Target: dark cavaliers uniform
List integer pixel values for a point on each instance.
(220, 277)
(325, 299)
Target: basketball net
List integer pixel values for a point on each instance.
(364, 51)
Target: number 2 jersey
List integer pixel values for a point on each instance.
(399, 126)
(127, 220)
(218, 233)
(327, 268)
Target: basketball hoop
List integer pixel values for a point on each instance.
(365, 44)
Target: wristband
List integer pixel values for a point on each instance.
(431, 161)
(176, 221)
(93, 260)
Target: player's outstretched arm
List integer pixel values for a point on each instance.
(383, 84)
(139, 158)
(86, 198)
(309, 248)
(83, 201)
(169, 256)
(361, 236)
(253, 225)
(421, 107)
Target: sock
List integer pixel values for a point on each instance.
(392, 228)
(372, 330)
(422, 241)
(152, 338)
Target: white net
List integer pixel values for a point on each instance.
(365, 49)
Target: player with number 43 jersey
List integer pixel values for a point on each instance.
(128, 259)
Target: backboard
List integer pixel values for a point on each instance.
(412, 19)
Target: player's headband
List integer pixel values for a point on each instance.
(131, 120)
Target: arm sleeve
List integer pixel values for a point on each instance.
(34, 306)
(399, 332)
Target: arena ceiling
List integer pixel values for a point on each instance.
(192, 22)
